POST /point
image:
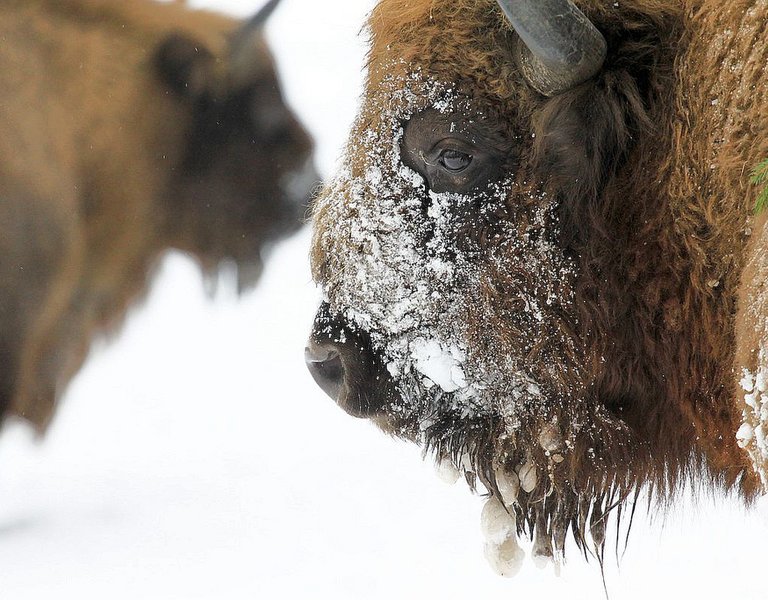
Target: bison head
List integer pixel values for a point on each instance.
(492, 263)
(245, 175)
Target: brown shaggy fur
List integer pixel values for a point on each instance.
(124, 131)
(650, 163)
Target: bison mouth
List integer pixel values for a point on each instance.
(517, 466)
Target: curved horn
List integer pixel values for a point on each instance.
(559, 46)
(245, 40)
(257, 21)
(253, 25)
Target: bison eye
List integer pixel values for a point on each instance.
(454, 155)
(454, 161)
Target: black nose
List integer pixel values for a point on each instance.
(325, 366)
(342, 362)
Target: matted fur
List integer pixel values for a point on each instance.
(124, 131)
(649, 163)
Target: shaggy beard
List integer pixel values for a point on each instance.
(561, 486)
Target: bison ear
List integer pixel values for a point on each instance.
(583, 135)
(184, 65)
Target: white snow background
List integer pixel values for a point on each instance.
(194, 458)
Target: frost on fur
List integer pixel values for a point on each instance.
(753, 433)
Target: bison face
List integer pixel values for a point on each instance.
(474, 253)
(448, 316)
(245, 176)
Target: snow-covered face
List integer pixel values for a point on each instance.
(446, 293)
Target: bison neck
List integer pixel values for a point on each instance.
(660, 292)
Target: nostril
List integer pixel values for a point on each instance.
(325, 366)
(341, 360)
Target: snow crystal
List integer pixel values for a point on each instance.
(447, 471)
(411, 177)
(747, 381)
(744, 435)
(542, 552)
(550, 439)
(760, 381)
(506, 559)
(495, 522)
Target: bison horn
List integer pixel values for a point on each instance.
(252, 26)
(257, 21)
(242, 45)
(559, 46)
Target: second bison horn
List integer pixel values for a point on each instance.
(559, 46)
(257, 21)
(241, 44)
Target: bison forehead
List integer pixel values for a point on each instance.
(466, 37)
(455, 315)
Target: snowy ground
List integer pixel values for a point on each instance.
(194, 458)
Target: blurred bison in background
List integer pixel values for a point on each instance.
(127, 128)
(540, 258)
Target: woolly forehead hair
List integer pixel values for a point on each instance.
(470, 41)
(466, 37)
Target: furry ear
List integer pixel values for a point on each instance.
(583, 135)
(184, 65)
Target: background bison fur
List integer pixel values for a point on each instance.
(128, 128)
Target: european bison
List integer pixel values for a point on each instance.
(540, 259)
(127, 128)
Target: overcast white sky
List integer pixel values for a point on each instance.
(195, 459)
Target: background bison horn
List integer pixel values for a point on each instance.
(241, 44)
(559, 46)
(257, 21)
